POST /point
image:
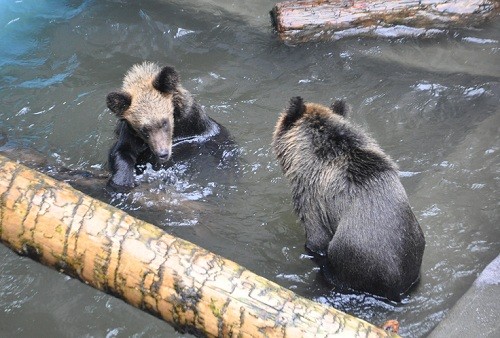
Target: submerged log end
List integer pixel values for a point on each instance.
(275, 20)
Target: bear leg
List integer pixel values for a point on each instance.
(123, 158)
(122, 172)
(317, 238)
(361, 268)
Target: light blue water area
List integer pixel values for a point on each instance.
(23, 39)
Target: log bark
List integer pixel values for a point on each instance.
(313, 20)
(191, 288)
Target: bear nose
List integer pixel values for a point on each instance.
(164, 156)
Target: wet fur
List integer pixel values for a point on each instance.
(347, 194)
(155, 114)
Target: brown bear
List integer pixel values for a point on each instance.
(347, 194)
(159, 121)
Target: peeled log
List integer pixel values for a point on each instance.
(191, 288)
(313, 20)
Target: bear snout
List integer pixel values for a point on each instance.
(164, 156)
(160, 143)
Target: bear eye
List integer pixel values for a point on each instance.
(144, 132)
(164, 124)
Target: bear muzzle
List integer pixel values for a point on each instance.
(160, 143)
(164, 156)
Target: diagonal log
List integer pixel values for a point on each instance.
(299, 21)
(191, 288)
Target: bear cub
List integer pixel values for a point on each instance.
(347, 194)
(158, 120)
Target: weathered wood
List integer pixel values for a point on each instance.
(313, 20)
(191, 288)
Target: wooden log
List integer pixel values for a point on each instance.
(313, 20)
(191, 288)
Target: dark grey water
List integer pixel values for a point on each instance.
(432, 104)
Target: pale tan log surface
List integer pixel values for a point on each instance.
(191, 288)
(312, 20)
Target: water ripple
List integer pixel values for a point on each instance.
(70, 66)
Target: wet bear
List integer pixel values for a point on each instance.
(347, 194)
(159, 122)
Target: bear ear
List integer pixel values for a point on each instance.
(118, 102)
(166, 80)
(339, 107)
(294, 111)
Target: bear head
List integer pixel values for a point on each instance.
(298, 109)
(147, 102)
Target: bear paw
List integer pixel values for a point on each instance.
(121, 188)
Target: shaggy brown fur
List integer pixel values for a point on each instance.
(156, 113)
(349, 198)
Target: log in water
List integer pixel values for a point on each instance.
(193, 289)
(314, 20)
